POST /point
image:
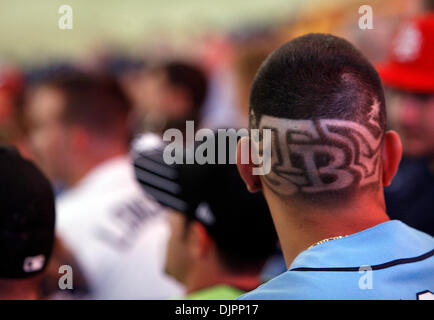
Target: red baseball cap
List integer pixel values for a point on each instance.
(410, 65)
(11, 80)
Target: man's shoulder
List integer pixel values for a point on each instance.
(108, 185)
(287, 286)
(399, 260)
(300, 285)
(394, 280)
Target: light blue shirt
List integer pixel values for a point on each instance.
(388, 261)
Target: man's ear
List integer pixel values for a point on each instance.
(200, 241)
(391, 156)
(245, 165)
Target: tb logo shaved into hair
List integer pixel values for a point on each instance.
(313, 156)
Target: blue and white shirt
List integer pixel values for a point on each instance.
(388, 261)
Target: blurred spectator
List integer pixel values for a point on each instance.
(232, 63)
(11, 123)
(79, 132)
(168, 94)
(409, 77)
(26, 226)
(10, 83)
(215, 53)
(221, 234)
(252, 47)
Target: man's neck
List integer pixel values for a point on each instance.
(85, 166)
(299, 229)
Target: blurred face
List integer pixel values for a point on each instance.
(412, 115)
(156, 97)
(5, 107)
(179, 258)
(48, 136)
(6, 114)
(152, 91)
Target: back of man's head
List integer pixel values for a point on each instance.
(325, 105)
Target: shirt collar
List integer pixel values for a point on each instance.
(375, 245)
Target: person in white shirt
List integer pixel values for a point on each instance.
(79, 135)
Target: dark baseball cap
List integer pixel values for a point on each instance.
(27, 216)
(216, 196)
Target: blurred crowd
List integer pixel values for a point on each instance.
(131, 227)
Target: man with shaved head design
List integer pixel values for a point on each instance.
(331, 156)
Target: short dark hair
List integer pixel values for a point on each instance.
(186, 76)
(325, 80)
(190, 78)
(97, 102)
